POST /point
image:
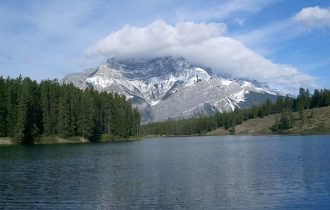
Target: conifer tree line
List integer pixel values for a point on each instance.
(29, 109)
(228, 120)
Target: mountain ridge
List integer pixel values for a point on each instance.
(169, 87)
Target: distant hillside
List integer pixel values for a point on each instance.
(316, 121)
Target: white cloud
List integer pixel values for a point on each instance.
(314, 17)
(202, 43)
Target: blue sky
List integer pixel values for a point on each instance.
(48, 39)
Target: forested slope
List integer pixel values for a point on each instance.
(313, 121)
(228, 122)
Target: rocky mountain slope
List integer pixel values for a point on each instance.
(169, 87)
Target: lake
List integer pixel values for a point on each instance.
(273, 172)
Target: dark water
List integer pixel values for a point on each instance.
(170, 173)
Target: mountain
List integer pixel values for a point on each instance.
(168, 87)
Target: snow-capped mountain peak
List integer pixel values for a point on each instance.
(170, 87)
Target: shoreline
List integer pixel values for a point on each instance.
(240, 134)
(6, 141)
(48, 140)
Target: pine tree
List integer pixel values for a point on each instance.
(301, 112)
(28, 122)
(64, 120)
(286, 121)
(21, 122)
(45, 106)
(86, 113)
(54, 96)
(74, 109)
(13, 87)
(3, 108)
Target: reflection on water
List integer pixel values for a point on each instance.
(170, 173)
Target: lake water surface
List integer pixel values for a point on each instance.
(170, 173)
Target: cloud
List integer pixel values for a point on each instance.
(202, 43)
(222, 9)
(268, 40)
(158, 37)
(314, 17)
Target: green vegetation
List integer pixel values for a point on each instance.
(286, 122)
(315, 121)
(30, 112)
(229, 122)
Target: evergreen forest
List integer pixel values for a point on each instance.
(30, 110)
(228, 120)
